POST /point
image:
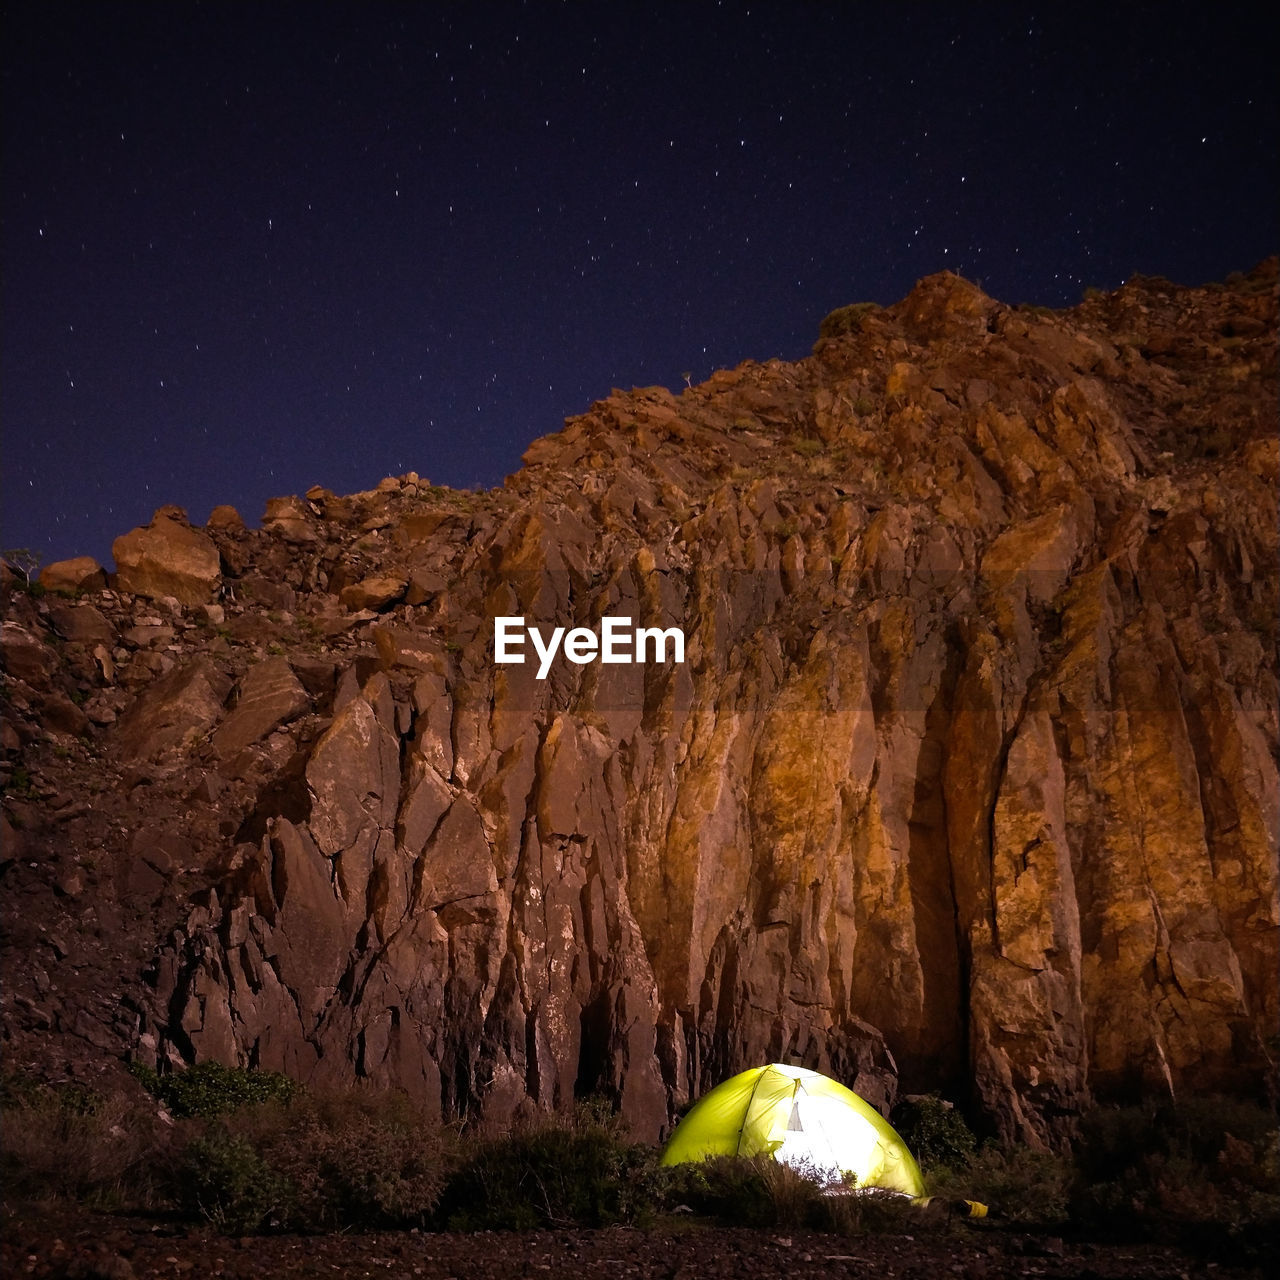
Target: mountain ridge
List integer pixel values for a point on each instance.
(968, 781)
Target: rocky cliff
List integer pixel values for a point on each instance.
(967, 779)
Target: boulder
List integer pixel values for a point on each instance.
(291, 518)
(226, 519)
(81, 573)
(168, 558)
(81, 624)
(373, 593)
(58, 712)
(25, 657)
(270, 695)
(173, 712)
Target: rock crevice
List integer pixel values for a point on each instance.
(967, 782)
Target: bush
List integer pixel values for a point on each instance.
(357, 1159)
(875, 1212)
(360, 1159)
(727, 1188)
(225, 1180)
(67, 1142)
(1205, 1173)
(1022, 1186)
(934, 1131)
(209, 1089)
(846, 320)
(317, 1163)
(796, 1195)
(577, 1172)
(759, 1191)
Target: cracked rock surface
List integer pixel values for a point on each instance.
(967, 782)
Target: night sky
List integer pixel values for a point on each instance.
(252, 248)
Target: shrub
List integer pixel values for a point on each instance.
(846, 320)
(576, 1172)
(1205, 1173)
(19, 784)
(795, 1195)
(757, 1191)
(728, 1188)
(1022, 1186)
(209, 1089)
(875, 1212)
(65, 1141)
(225, 1180)
(934, 1131)
(356, 1159)
(316, 1163)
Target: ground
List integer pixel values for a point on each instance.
(85, 1246)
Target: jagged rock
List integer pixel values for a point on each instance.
(98, 708)
(968, 780)
(81, 573)
(354, 778)
(373, 593)
(270, 695)
(151, 635)
(167, 558)
(61, 714)
(173, 712)
(270, 594)
(81, 624)
(316, 674)
(25, 657)
(292, 519)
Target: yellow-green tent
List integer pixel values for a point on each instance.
(801, 1118)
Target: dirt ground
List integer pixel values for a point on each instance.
(106, 1247)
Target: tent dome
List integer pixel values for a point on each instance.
(801, 1118)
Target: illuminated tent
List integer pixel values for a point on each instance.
(802, 1119)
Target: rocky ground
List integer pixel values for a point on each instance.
(93, 1247)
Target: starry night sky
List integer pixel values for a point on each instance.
(248, 249)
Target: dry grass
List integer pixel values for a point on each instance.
(67, 1143)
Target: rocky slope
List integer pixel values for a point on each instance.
(967, 781)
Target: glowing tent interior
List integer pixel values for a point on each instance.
(801, 1118)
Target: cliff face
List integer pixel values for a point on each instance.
(967, 781)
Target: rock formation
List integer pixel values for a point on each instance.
(967, 782)
(167, 559)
